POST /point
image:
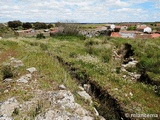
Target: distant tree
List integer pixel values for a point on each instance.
(39, 25)
(49, 26)
(14, 24)
(44, 26)
(27, 25)
(58, 24)
(132, 28)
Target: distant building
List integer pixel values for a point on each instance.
(147, 30)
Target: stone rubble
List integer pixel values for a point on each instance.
(85, 95)
(62, 102)
(67, 108)
(16, 63)
(25, 78)
(7, 108)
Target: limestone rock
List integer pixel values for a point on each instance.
(7, 107)
(87, 87)
(62, 87)
(85, 95)
(7, 80)
(32, 69)
(25, 78)
(16, 63)
(81, 88)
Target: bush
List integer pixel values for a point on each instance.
(40, 36)
(7, 72)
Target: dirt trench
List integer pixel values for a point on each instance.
(108, 107)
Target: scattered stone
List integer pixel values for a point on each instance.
(7, 80)
(16, 63)
(130, 64)
(87, 87)
(124, 76)
(85, 95)
(123, 70)
(6, 91)
(62, 87)
(81, 88)
(25, 78)
(131, 94)
(96, 112)
(116, 89)
(32, 69)
(137, 76)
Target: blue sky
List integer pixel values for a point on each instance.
(92, 11)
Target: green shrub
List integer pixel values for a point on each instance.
(7, 72)
(15, 112)
(72, 55)
(40, 36)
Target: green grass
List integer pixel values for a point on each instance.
(33, 53)
(101, 71)
(91, 59)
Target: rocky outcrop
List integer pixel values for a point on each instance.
(25, 78)
(64, 107)
(7, 108)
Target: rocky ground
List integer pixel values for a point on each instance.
(58, 104)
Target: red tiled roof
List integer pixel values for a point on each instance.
(115, 34)
(155, 35)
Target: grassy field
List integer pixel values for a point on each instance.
(91, 57)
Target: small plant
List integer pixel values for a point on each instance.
(43, 46)
(15, 112)
(40, 36)
(7, 72)
(72, 55)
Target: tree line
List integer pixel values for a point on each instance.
(16, 24)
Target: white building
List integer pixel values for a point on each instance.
(147, 30)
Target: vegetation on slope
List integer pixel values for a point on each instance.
(92, 59)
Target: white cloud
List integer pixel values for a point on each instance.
(77, 10)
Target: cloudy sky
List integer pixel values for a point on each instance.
(93, 11)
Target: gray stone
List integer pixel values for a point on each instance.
(85, 95)
(16, 63)
(7, 107)
(7, 80)
(87, 87)
(6, 91)
(25, 78)
(32, 69)
(81, 88)
(62, 87)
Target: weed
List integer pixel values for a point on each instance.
(7, 72)
(15, 112)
